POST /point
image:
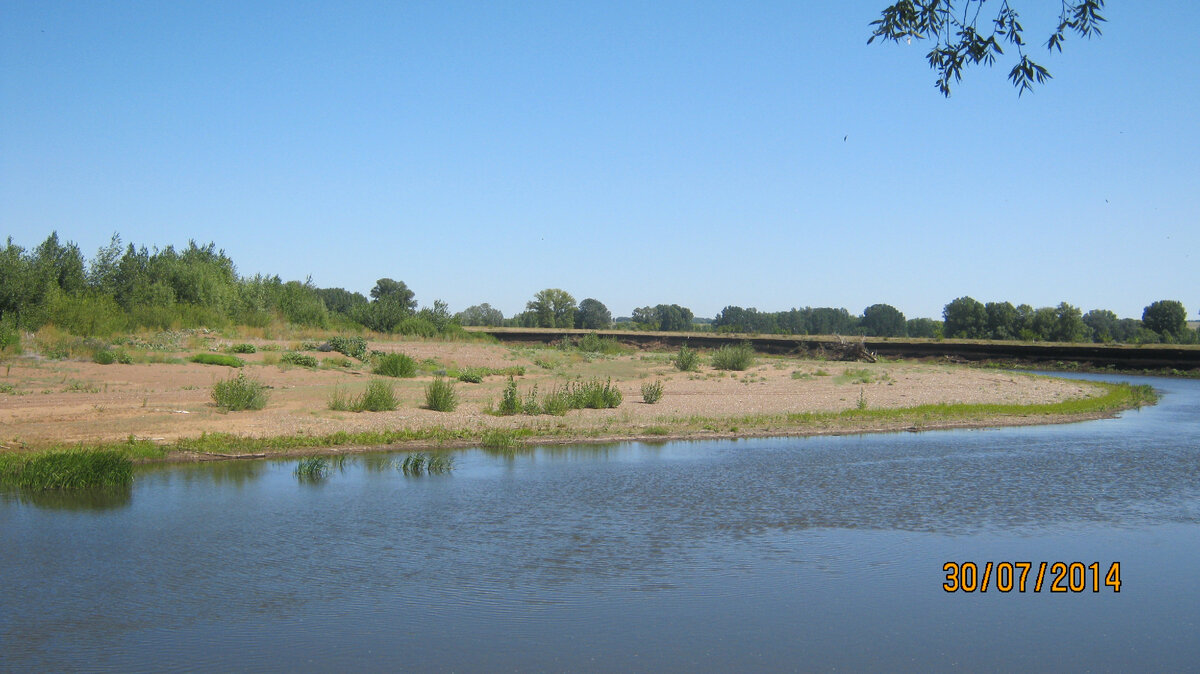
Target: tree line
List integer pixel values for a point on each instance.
(125, 287)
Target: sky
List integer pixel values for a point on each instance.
(706, 154)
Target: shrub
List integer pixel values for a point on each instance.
(593, 395)
(243, 348)
(312, 469)
(379, 397)
(395, 365)
(593, 343)
(440, 395)
(301, 359)
(686, 360)
(471, 376)
(239, 393)
(123, 357)
(652, 392)
(355, 347)
(105, 357)
(510, 400)
(557, 402)
(217, 359)
(733, 357)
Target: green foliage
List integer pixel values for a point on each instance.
(652, 392)
(395, 365)
(734, 357)
(68, 470)
(593, 315)
(353, 346)
(339, 400)
(1166, 317)
(239, 393)
(379, 396)
(312, 469)
(300, 359)
(859, 376)
(687, 360)
(105, 357)
(593, 343)
(552, 308)
(472, 375)
(480, 314)
(965, 317)
(243, 348)
(440, 395)
(123, 357)
(924, 327)
(500, 439)
(386, 289)
(958, 42)
(593, 394)
(217, 359)
(510, 400)
(883, 320)
(862, 400)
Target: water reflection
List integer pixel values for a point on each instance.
(113, 498)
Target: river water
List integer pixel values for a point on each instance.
(773, 554)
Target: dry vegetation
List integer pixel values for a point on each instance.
(75, 400)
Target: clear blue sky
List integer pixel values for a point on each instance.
(700, 153)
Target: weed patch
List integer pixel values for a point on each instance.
(217, 359)
(239, 393)
(440, 395)
(395, 365)
(734, 357)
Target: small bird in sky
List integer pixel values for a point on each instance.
(845, 137)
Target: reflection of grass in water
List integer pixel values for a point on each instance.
(415, 465)
(312, 469)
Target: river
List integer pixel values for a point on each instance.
(752, 555)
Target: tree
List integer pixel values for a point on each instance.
(924, 327)
(965, 317)
(673, 318)
(1069, 325)
(481, 314)
(1166, 317)
(1003, 321)
(397, 291)
(883, 320)
(340, 299)
(952, 26)
(553, 308)
(1104, 324)
(644, 318)
(593, 315)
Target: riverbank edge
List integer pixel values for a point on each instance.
(1118, 397)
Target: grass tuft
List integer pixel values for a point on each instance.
(312, 469)
(418, 464)
(217, 359)
(395, 365)
(72, 469)
(239, 393)
(440, 395)
(734, 357)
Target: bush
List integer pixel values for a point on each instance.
(593, 343)
(471, 376)
(239, 393)
(355, 347)
(217, 359)
(243, 348)
(731, 357)
(652, 392)
(395, 365)
(593, 395)
(510, 400)
(379, 397)
(686, 360)
(105, 357)
(301, 359)
(440, 395)
(123, 357)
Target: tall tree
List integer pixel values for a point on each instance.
(593, 315)
(883, 320)
(553, 308)
(965, 317)
(396, 291)
(1166, 317)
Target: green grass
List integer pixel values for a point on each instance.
(70, 469)
(652, 392)
(239, 393)
(242, 348)
(734, 357)
(217, 359)
(593, 395)
(379, 396)
(300, 359)
(395, 365)
(440, 395)
(859, 376)
(501, 438)
(472, 375)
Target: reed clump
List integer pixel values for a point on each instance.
(70, 469)
(239, 393)
(418, 464)
(312, 469)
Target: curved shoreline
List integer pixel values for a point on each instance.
(214, 447)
